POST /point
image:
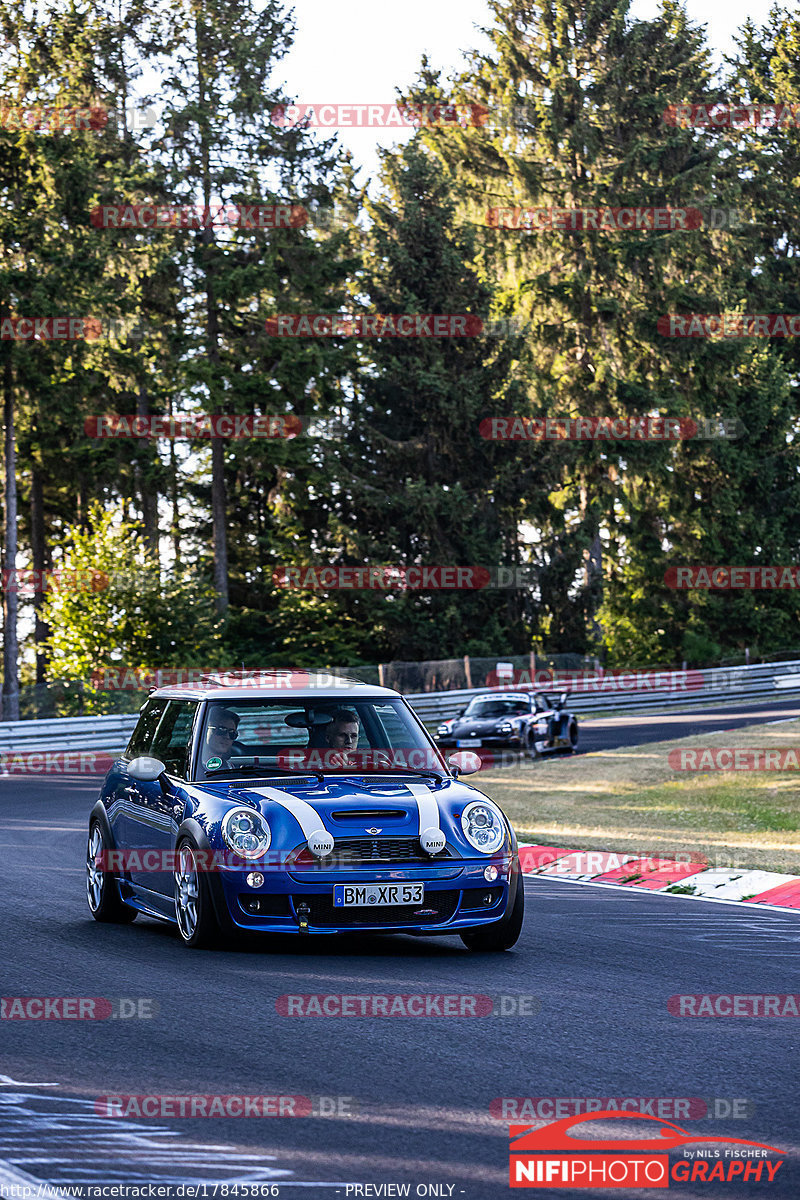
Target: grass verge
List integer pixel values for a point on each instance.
(632, 800)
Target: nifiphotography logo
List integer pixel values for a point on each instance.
(552, 1157)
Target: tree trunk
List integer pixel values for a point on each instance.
(41, 630)
(147, 492)
(176, 515)
(10, 594)
(218, 524)
(218, 494)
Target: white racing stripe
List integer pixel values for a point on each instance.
(310, 820)
(306, 816)
(427, 806)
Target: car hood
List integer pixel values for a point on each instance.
(344, 806)
(467, 725)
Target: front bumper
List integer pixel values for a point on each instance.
(455, 898)
(491, 739)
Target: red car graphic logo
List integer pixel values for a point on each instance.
(555, 1136)
(552, 1157)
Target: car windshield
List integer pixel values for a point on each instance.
(284, 737)
(496, 708)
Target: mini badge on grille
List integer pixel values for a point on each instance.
(374, 829)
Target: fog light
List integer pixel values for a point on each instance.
(490, 874)
(255, 879)
(320, 843)
(488, 899)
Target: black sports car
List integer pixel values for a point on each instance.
(526, 721)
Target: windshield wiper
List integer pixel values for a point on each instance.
(434, 775)
(266, 772)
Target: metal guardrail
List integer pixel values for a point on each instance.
(67, 733)
(730, 684)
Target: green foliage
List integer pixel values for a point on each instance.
(416, 482)
(130, 618)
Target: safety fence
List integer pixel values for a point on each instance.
(591, 692)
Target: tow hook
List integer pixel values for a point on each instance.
(303, 912)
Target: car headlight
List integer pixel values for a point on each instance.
(483, 827)
(445, 728)
(506, 727)
(246, 832)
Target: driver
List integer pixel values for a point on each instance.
(220, 736)
(342, 733)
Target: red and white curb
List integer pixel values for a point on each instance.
(668, 876)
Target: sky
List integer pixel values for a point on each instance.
(360, 51)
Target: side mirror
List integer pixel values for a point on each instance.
(146, 769)
(465, 762)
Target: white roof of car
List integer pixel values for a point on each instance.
(273, 685)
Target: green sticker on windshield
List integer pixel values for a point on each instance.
(213, 763)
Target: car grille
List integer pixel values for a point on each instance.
(369, 814)
(386, 849)
(439, 907)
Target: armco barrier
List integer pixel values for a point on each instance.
(68, 733)
(729, 685)
(720, 684)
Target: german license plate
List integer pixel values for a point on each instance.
(469, 745)
(367, 895)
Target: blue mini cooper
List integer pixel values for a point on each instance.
(323, 808)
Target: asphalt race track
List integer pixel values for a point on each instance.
(635, 729)
(596, 968)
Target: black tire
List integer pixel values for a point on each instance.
(197, 922)
(502, 934)
(102, 887)
(530, 746)
(573, 734)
